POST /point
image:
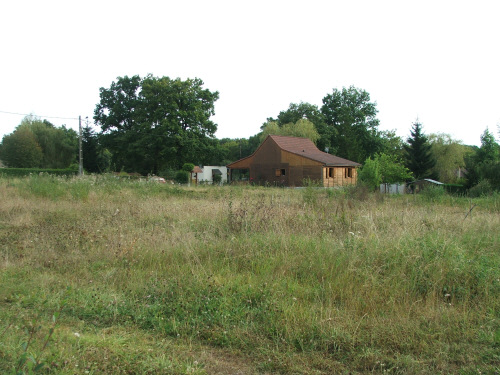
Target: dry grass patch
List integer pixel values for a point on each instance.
(219, 280)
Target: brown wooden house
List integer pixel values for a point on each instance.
(288, 161)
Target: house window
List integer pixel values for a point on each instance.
(330, 172)
(348, 173)
(280, 172)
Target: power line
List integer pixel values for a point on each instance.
(32, 114)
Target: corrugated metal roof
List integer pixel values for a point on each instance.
(427, 180)
(306, 148)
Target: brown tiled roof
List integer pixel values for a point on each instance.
(306, 148)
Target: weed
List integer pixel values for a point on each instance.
(284, 280)
(32, 356)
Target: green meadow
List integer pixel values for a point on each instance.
(101, 275)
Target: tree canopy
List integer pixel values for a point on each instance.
(305, 111)
(351, 123)
(21, 150)
(37, 143)
(484, 164)
(449, 155)
(154, 123)
(383, 168)
(302, 128)
(489, 150)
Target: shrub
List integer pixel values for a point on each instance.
(455, 188)
(167, 174)
(217, 179)
(481, 189)
(188, 167)
(433, 193)
(182, 177)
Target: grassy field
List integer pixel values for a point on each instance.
(99, 275)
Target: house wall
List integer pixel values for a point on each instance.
(272, 165)
(265, 163)
(243, 163)
(339, 176)
(301, 168)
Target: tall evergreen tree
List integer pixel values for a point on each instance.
(419, 159)
(89, 150)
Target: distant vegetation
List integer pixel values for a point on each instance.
(103, 275)
(154, 125)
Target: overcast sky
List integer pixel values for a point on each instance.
(435, 60)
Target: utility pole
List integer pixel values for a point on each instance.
(80, 165)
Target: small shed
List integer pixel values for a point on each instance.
(288, 161)
(213, 173)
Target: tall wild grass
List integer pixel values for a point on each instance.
(169, 279)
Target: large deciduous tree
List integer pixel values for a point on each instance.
(305, 111)
(419, 159)
(153, 123)
(352, 124)
(489, 150)
(449, 155)
(302, 128)
(484, 165)
(383, 168)
(391, 144)
(21, 150)
(58, 145)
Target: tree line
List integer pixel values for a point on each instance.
(154, 125)
(38, 143)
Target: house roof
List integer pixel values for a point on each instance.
(306, 148)
(426, 180)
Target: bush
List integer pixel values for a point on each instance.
(433, 193)
(188, 167)
(167, 174)
(483, 188)
(455, 189)
(217, 179)
(182, 177)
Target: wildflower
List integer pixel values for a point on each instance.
(77, 334)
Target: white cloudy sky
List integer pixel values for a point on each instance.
(438, 60)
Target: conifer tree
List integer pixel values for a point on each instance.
(419, 159)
